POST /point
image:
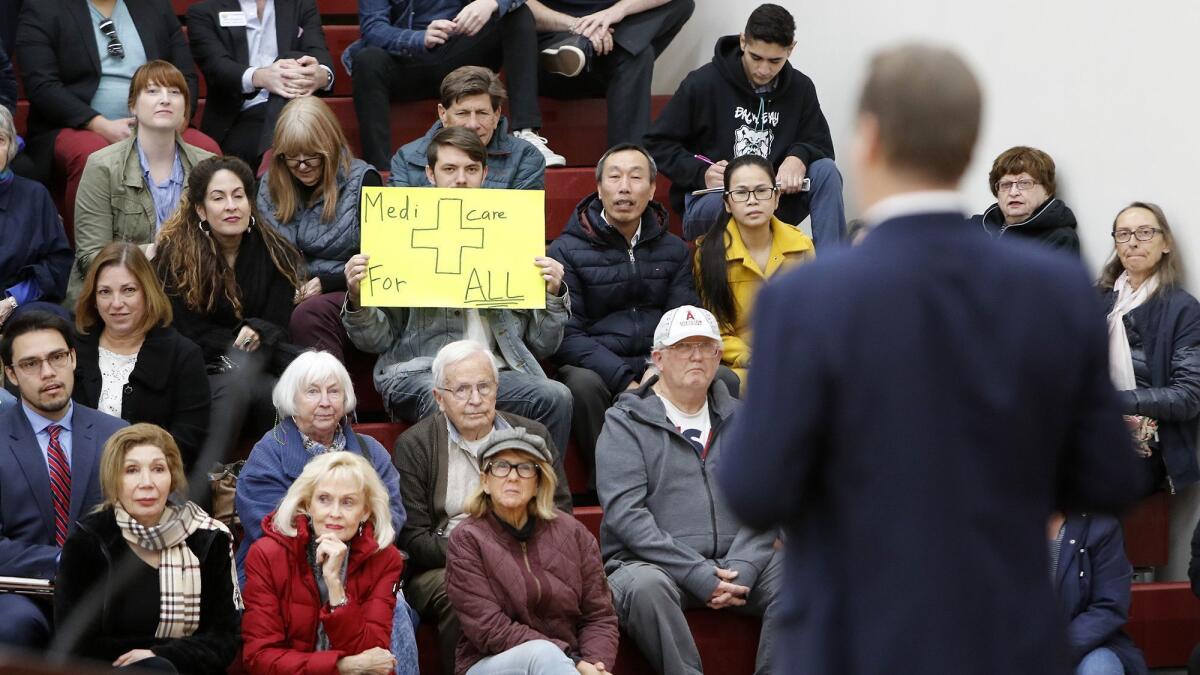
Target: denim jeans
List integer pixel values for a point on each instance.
(537, 398)
(536, 657)
(404, 639)
(1100, 661)
(825, 205)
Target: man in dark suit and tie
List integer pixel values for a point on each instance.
(918, 405)
(49, 465)
(256, 55)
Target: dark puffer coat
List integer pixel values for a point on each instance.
(1164, 341)
(618, 293)
(1053, 224)
(550, 586)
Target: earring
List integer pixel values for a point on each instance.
(251, 225)
(205, 227)
(360, 526)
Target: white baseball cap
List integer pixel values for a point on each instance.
(686, 321)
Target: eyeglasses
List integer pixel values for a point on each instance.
(114, 43)
(58, 361)
(463, 391)
(1023, 185)
(1142, 234)
(687, 349)
(313, 162)
(501, 469)
(762, 194)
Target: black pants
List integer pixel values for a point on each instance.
(623, 75)
(252, 131)
(591, 398)
(380, 77)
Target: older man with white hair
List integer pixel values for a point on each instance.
(439, 468)
(668, 538)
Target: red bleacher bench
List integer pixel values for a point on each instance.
(1164, 620)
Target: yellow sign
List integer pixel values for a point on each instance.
(462, 247)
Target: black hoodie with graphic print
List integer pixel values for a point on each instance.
(716, 113)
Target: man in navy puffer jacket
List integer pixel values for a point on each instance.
(623, 269)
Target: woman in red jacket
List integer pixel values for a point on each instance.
(526, 580)
(321, 583)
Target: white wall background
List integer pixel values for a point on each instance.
(1109, 89)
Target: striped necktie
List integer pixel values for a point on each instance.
(60, 484)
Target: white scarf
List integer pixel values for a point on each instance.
(1120, 360)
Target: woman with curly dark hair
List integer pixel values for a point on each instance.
(231, 279)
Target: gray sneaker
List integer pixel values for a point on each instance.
(567, 58)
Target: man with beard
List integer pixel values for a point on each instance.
(49, 476)
(1022, 180)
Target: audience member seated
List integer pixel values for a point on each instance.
(438, 459)
(606, 49)
(1154, 359)
(734, 259)
(130, 362)
(471, 97)
(314, 398)
(140, 546)
(670, 542)
(408, 338)
(130, 188)
(1022, 180)
(250, 72)
(311, 195)
(751, 101)
(35, 257)
(231, 280)
(1092, 578)
(525, 578)
(1194, 577)
(333, 533)
(78, 58)
(50, 473)
(623, 269)
(408, 47)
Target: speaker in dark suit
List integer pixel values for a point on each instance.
(918, 406)
(228, 38)
(49, 464)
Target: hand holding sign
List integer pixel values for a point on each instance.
(462, 247)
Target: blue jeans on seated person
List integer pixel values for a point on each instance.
(823, 202)
(404, 639)
(1100, 661)
(536, 657)
(537, 398)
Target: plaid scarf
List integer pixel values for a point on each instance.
(179, 569)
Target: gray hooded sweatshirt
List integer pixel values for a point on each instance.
(660, 497)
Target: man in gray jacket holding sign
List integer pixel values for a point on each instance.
(668, 538)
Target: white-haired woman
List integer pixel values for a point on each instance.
(331, 534)
(35, 257)
(314, 398)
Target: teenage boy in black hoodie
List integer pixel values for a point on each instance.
(750, 100)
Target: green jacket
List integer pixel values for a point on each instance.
(113, 203)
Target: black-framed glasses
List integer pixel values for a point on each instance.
(501, 469)
(1142, 234)
(1023, 185)
(114, 43)
(313, 162)
(762, 194)
(463, 391)
(57, 360)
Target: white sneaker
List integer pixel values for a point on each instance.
(567, 58)
(539, 142)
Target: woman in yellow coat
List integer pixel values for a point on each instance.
(735, 259)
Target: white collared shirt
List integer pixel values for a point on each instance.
(263, 48)
(637, 234)
(909, 203)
